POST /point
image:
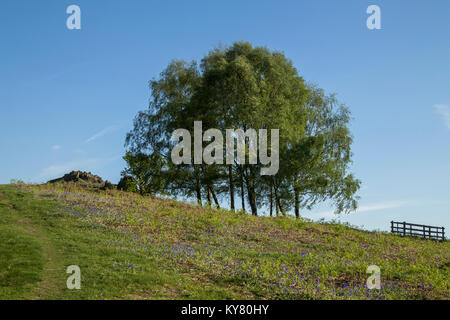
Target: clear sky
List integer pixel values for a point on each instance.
(68, 97)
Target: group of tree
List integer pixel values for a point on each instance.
(243, 87)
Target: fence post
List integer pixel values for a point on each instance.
(404, 228)
(443, 234)
(424, 233)
(392, 226)
(429, 232)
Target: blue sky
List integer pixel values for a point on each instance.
(68, 97)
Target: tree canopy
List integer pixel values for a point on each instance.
(242, 87)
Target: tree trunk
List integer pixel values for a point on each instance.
(141, 185)
(253, 203)
(252, 200)
(230, 178)
(242, 191)
(198, 190)
(208, 198)
(297, 203)
(230, 181)
(214, 197)
(271, 201)
(251, 193)
(281, 208)
(278, 202)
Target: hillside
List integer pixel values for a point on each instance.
(133, 247)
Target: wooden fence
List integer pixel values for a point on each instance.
(417, 230)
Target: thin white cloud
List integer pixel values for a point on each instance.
(56, 147)
(365, 208)
(58, 170)
(444, 112)
(101, 133)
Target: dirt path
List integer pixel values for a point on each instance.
(53, 273)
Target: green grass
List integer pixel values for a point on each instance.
(21, 256)
(133, 247)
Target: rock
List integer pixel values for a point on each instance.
(108, 186)
(84, 179)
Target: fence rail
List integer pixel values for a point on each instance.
(417, 230)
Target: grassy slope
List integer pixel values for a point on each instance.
(130, 247)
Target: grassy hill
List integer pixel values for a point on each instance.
(133, 247)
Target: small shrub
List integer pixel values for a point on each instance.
(127, 183)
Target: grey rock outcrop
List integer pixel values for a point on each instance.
(84, 179)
